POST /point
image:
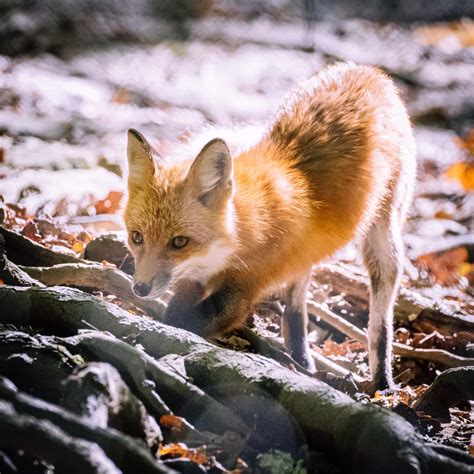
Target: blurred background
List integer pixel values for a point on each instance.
(75, 74)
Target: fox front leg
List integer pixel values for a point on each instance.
(295, 323)
(208, 317)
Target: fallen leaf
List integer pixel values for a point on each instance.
(171, 421)
(463, 173)
(446, 266)
(31, 231)
(180, 450)
(78, 246)
(109, 205)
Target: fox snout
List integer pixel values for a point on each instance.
(151, 289)
(141, 289)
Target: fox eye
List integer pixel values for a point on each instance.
(137, 237)
(179, 242)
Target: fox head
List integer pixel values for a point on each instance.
(179, 218)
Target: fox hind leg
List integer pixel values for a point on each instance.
(295, 323)
(383, 257)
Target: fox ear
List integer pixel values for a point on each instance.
(141, 166)
(211, 171)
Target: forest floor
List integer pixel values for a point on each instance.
(62, 160)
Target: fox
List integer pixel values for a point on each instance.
(336, 164)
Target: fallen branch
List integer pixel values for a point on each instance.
(448, 389)
(127, 453)
(434, 355)
(365, 437)
(103, 278)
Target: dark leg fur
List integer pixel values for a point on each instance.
(209, 317)
(295, 324)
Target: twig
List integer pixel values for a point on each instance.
(435, 355)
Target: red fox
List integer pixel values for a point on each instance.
(337, 163)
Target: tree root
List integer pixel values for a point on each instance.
(153, 381)
(97, 392)
(10, 273)
(346, 279)
(44, 440)
(448, 389)
(128, 454)
(365, 438)
(90, 275)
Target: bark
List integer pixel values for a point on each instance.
(97, 392)
(366, 437)
(128, 454)
(154, 381)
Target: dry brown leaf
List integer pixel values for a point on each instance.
(121, 96)
(445, 266)
(109, 205)
(31, 231)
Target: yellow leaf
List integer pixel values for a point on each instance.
(465, 268)
(463, 173)
(78, 246)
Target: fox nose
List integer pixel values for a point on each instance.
(141, 289)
